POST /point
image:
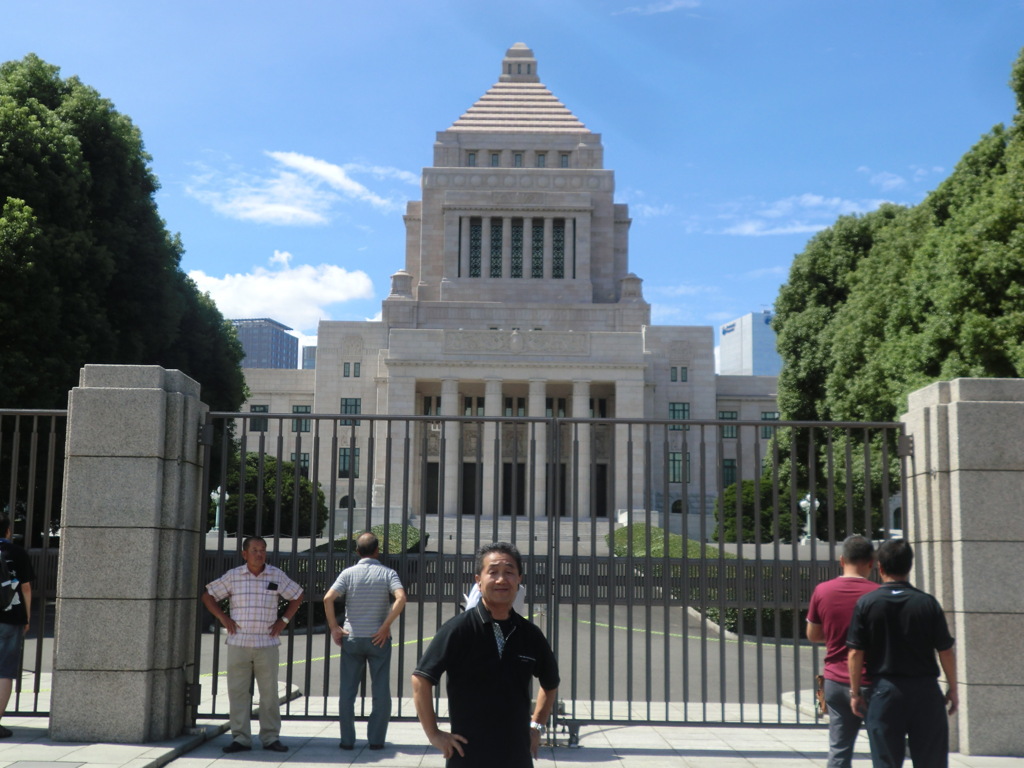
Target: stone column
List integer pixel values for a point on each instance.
(966, 482)
(549, 245)
(629, 487)
(581, 482)
(485, 247)
(492, 461)
(535, 408)
(450, 401)
(127, 584)
(401, 402)
(464, 247)
(506, 247)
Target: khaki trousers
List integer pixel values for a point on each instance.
(243, 665)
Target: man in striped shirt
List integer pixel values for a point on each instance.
(365, 638)
(254, 591)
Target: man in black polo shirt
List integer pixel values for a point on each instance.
(897, 630)
(490, 654)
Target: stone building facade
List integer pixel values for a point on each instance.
(516, 299)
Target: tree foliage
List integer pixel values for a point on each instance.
(89, 273)
(276, 497)
(882, 304)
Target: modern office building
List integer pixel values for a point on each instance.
(267, 343)
(516, 299)
(746, 346)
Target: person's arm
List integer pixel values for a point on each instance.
(380, 637)
(212, 606)
(337, 631)
(947, 659)
(290, 610)
(545, 703)
(855, 664)
(422, 696)
(815, 633)
(26, 598)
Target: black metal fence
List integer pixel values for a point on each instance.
(672, 577)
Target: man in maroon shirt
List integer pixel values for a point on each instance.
(827, 622)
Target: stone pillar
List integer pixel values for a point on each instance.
(401, 402)
(485, 247)
(450, 401)
(506, 247)
(492, 461)
(127, 584)
(549, 245)
(535, 408)
(464, 247)
(966, 482)
(582, 471)
(629, 404)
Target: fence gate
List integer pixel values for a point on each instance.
(669, 562)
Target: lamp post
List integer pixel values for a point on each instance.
(809, 506)
(217, 498)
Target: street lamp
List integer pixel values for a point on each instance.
(216, 498)
(809, 506)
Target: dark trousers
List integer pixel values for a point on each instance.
(908, 710)
(843, 725)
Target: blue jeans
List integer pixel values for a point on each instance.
(356, 654)
(843, 725)
(11, 638)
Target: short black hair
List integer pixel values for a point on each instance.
(858, 549)
(502, 547)
(5, 523)
(366, 544)
(896, 557)
(249, 540)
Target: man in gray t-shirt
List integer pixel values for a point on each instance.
(365, 638)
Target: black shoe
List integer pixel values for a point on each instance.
(276, 746)
(5, 733)
(236, 746)
(376, 746)
(343, 745)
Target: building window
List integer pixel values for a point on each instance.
(729, 430)
(351, 405)
(496, 227)
(259, 423)
(495, 159)
(476, 237)
(602, 408)
(677, 373)
(302, 459)
(471, 159)
(346, 369)
(517, 248)
(549, 407)
(348, 462)
(728, 472)
(517, 159)
(301, 425)
(678, 412)
(558, 249)
(515, 406)
(467, 406)
(432, 406)
(541, 159)
(768, 432)
(565, 161)
(675, 466)
(355, 369)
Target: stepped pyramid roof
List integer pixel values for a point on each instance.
(519, 102)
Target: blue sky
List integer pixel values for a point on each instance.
(288, 137)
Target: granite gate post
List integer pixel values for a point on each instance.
(129, 556)
(967, 526)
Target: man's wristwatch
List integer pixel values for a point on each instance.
(285, 619)
(538, 727)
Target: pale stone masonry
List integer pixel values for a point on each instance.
(516, 298)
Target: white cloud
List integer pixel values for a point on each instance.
(297, 190)
(757, 274)
(680, 290)
(758, 228)
(646, 211)
(666, 6)
(802, 214)
(298, 296)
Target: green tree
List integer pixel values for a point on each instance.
(880, 305)
(276, 497)
(90, 273)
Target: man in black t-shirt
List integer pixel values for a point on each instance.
(491, 655)
(896, 631)
(14, 620)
